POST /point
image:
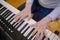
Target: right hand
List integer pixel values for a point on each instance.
(23, 14)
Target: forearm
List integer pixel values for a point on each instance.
(28, 4)
(51, 17)
(45, 20)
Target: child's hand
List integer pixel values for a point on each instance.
(23, 14)
(40, 28)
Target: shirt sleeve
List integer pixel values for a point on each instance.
(29, 1)
(55, 13)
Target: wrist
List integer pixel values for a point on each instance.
(27, 9)
(45, 20)
(28, 6)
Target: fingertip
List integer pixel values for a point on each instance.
(47, 39)
(41, 36)
(35, 38)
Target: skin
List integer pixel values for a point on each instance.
(40, 25)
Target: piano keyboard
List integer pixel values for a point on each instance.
(19, 31)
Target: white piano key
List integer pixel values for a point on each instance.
(24, 28)
(56, 37)
(12, 22)
(52, 36)
(9, 16)
(30, 36)
(28, 31)
(19, 28)
(15, 24)
(48, 32)
(33, 37)
(1, 7)
(18, 24)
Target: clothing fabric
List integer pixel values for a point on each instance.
(46, 3)
(55, 13)
(50, 4)
(37, 10)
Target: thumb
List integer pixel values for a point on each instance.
(30, 16)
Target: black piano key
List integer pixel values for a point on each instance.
(11, 17)
(43, 37)
(1, 5)
(11, 20)
(56, 32)
(13, 23)
(32, 36)
(8, 14)
(5, 13)
(16, 24)
(20, 24)
(25, 30)
(3, 9)
(24, 27)
(30, 32)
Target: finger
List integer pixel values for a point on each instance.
(41, 35)
(35, 38)
(21, 18)
(32, 25)
(18, 14)
(29, 17)
(46, 37)
(16, 19)
(35, 31)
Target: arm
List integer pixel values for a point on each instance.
(29, 4)
(26, 12)
(52, 16)
(55, 13)
(43, 23)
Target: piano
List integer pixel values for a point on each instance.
(21, 30)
